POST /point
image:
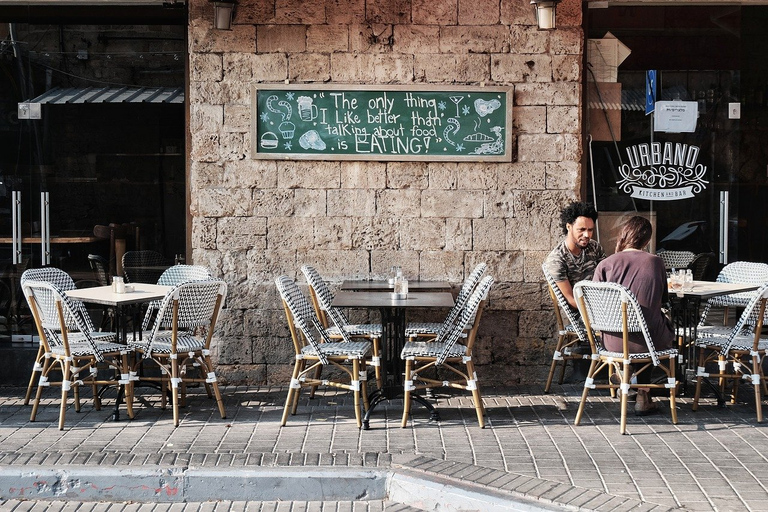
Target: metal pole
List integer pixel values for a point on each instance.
(16, 218)
(45, 229)
(723, 253)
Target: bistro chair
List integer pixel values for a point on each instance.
(569, 335)
(63, 282)
(73, 351)
(701, 265)
(311, 353)
(322, 298)
(737, 272)
(739, 355)
(173, 276)
(431, 330)
(446, 353)
(143, 266)
(675, 259)
(611, 307)
(181, 338)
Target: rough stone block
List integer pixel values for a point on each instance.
(533, 261)
(489, 234)
(204, 232)
(367, 68)
(249, 173)
(517, 296)
(345, 12)
(241, 233)
(210, 258)
(309, 67)
(399, 202)
(415, 39)
(234, 146)
(270, 350)
(371, 38)
(434, 12)
(499, 203)
(522, 175)
(563, 119)
(536, 147)
(266, 320)
(309, 203)
(363, 175)
(238, 67)
(569, 14)
(270, 67)
(563, 175)
(290, 232)
(565, 40)
(412, 175)
(234, 351)
(327, 38)
(544, 203)
(306, 174)
(205, 67)
(441, 266)
(452, 203)
(337, 265)
(382, 262)
(479, 12)
(237, 118)
(473, 39)
(234, 268)
(256, 12)
(557, 93)
(375, 233)
(451, 68)
(219, 202)
(504, 266)
(219, 93)
(397, 12)
(281, 38)
(458, 234)
(532, 234)
(333, 233)
(206, 117)
(508, 67)
(252, 374)
(515, 12)
(573, 148)
(422, 234)
(205, 174)
(229, 324)
(527, 39)
(265, 266)
(444, 175)
(352, 203)
(300, 11)
(529, 120)
(205, 39)
(566, 68)
(273, 203)
(479, 176)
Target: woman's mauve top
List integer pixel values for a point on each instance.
(645, 275)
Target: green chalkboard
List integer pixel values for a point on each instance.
(335, 122)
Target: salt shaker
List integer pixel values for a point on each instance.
(118, 284)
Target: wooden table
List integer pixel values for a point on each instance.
(393, 322)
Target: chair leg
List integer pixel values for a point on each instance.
(673, 391)
(697, 394)
(356, 392)
(293, 389)
(175, 389)
(47, 364)
(553, 365)
(295, 406)
(377, 366)
(37, 368)
(312, 389)
(624, 396)
(407, 384)
(65, 383)
(758, 375)
(592, 366)
(472, 384)
(128, 386)
(207, 367)
(364, 387)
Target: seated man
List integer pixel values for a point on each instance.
(577, 255)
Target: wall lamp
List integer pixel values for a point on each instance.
(545, 13)
(223, 14)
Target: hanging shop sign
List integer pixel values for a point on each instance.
(662, 171)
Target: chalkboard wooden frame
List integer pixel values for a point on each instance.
(311, 151)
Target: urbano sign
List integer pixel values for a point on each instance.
(662, 171)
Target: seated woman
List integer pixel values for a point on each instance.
(644, 274)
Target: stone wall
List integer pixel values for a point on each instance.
(253, 220)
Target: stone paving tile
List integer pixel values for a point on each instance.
(710, 458)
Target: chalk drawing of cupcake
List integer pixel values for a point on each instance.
(287, 129)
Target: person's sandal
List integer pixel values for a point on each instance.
(615, 379)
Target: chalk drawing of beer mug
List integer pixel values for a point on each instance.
(307, 109)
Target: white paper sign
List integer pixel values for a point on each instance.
(676, 116)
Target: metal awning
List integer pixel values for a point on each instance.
(79, 95)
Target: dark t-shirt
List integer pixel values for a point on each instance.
(562, 265)
(645, 275)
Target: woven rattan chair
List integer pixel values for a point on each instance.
(675, 259)
(322, 298)
(143, 266)
(701, 265)
(569, 334)
(613, 308)
(64, 283)
(311, 353)
(73, 351)
(738, 355)
(431, 330)
(737, 272)
(181, 338)
(173, 276)
(446, 354)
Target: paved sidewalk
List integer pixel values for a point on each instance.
(714, 459)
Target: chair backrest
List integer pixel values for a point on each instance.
(63, 282)
(613, 308)
(675, 259)
(471, 310)
(463, 296)
(54, 312)
(187, 306)
(137, 266)
(701, 264)
(322, 298)
(751, 319)
(744, 272)
(99, 265)
(172, 276)
(561, 306)
(299, 313)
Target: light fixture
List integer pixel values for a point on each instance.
(545, 13)
(223, 13)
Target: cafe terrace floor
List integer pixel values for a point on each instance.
(530, 451)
